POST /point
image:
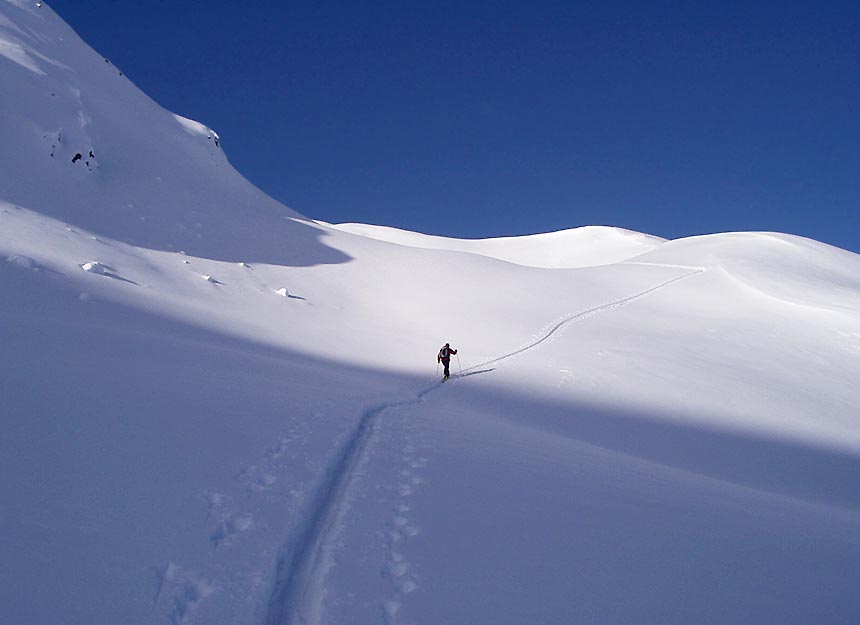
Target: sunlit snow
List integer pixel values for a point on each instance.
(216, 410)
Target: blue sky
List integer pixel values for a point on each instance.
(483, 119)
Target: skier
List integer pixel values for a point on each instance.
(444, 357)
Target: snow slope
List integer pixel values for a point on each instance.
(144, 175)
(241, 421)
(579, 247)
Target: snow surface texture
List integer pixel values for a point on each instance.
(216, 411)
(580, 247)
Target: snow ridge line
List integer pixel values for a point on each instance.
(296, 597)
(588, 313)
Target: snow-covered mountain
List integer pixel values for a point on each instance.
(216, 410)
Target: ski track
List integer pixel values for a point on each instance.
(588, 313)
(297, 593)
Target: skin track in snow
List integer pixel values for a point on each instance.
(198, 390)
(299, 588)
(296, 598)
(585, 314)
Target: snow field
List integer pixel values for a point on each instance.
(218, 411)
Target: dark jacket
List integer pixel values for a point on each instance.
(445, 354)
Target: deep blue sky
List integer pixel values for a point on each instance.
(492, 118)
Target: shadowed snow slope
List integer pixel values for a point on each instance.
(241, 421)
(579, 247)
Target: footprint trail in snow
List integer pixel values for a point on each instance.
(298, 589)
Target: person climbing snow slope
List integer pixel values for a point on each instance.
(444, 357)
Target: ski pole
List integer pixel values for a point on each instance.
(437, 367)
(459, 365)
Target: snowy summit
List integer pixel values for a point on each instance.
(216, 410)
